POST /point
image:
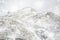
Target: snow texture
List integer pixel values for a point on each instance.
(27, 22)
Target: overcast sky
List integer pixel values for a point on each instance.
(40, 5)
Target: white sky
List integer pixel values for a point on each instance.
(40, 5)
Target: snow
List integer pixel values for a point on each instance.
(30, 19)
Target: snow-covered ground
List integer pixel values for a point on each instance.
(29, 20)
